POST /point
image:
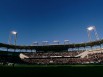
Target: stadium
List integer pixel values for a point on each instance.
(51, 38)
(50, 56)
(80, 53)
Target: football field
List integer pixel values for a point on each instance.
(52, 70)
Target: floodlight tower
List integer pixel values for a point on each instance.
(15, 37)
(35, 43)
(45, 42)
(66, 41)
(56, 41)
(92, 28)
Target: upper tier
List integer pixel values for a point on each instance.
(50, 47)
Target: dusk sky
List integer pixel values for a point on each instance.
(49, 20)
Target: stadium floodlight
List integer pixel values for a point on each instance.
(35, 43)
(56, 41)
(14, 32)
(15, 38)
(66, 41)
(45, 42)
(92, 28)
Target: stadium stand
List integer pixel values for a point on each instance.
(53, 54)
(84, 57)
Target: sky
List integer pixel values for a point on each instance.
(49, 20)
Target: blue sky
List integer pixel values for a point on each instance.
(41, 20)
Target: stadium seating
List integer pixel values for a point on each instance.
(84, 57)
(53, 54)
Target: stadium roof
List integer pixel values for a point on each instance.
(52, 47)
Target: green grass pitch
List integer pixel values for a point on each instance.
(52, 70)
